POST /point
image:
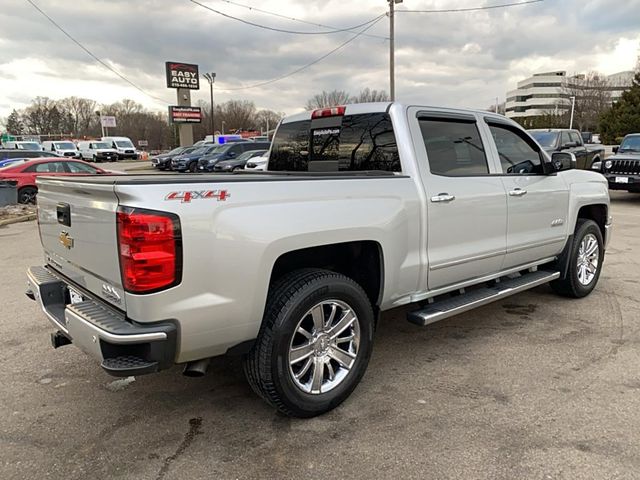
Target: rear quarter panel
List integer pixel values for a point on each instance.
(230, 247)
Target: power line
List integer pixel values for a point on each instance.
(267, 12)
(297, 70)
(106, 65)
(282, 30)
(472, 9)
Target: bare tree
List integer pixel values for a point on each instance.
(592, 96)
(82, 111)
(368, 95)
(238, 114)
(328, 99)
(268, 118)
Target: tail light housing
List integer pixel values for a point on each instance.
(150, 249)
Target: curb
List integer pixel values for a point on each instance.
(23, 218)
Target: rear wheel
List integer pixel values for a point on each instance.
(585, 261)
(27, 195)
(314, 344)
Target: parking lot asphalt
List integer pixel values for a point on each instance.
(533, 387)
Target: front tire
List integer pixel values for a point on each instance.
(314, 344)
(585, 261)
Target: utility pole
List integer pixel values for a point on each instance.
(392, 60)
(497, 105)
(573, 107)
(211, 78)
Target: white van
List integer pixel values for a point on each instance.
(64, 148)
(97, 151)
(123, 145)
(14, 145)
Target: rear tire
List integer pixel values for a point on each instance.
(585, 261)
(27, 195)
(292, 385)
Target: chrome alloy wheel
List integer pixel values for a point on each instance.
(324, 347)
(588, 258)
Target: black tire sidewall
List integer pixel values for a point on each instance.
(586, 228)
(304, 404)
(23, 190)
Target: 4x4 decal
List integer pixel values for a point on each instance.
(187, 196)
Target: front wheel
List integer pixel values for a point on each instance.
(193, 166)
(314, 344)
(585, 261)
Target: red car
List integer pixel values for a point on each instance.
(25, 173)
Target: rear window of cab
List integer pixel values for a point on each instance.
(336, 144)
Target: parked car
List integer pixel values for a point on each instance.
(258, 164)
(291, 268)
(25, 173)
(163, 161)
(8, 154)
(239, 162)
(123, 145)
(21, 145)
(97, 151)
(64, 148)
(228, 151)
(566, 140)
(622, 169)
(189, 161)
(11, 161)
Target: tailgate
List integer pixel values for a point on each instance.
(77, 223)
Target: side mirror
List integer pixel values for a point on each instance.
(231, 154)
(561, 161)
(569, 145)
(615, 149)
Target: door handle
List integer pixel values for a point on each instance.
(517, 192)
(443, 197)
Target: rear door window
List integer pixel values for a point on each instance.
(454, 147)
(341, 143)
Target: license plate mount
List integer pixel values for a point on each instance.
(75, 296)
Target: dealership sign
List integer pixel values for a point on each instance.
(185, 114)
(182, 75)
(108, 121)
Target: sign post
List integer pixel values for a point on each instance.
(184, 77)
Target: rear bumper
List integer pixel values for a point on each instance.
(122, 347)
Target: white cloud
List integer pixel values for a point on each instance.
(464, 59)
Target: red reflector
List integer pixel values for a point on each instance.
(150, 249)
(328, 112)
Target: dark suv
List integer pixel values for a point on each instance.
(228, 152)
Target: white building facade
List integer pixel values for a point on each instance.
(547, 93)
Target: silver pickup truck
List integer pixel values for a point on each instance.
(363, 208)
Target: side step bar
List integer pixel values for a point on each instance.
(475, 298)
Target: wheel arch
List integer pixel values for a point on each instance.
(362, 261)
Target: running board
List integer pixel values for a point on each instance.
(448, 307)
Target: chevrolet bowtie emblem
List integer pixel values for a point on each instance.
(66, 240)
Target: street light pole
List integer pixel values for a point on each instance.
(211, 78)
(392, 60)
(223, 122)
(573, 107)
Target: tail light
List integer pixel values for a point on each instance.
(328, 112)
(150, 246)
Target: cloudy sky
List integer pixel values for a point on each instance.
(456, 59)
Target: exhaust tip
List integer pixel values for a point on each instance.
(196, 368)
